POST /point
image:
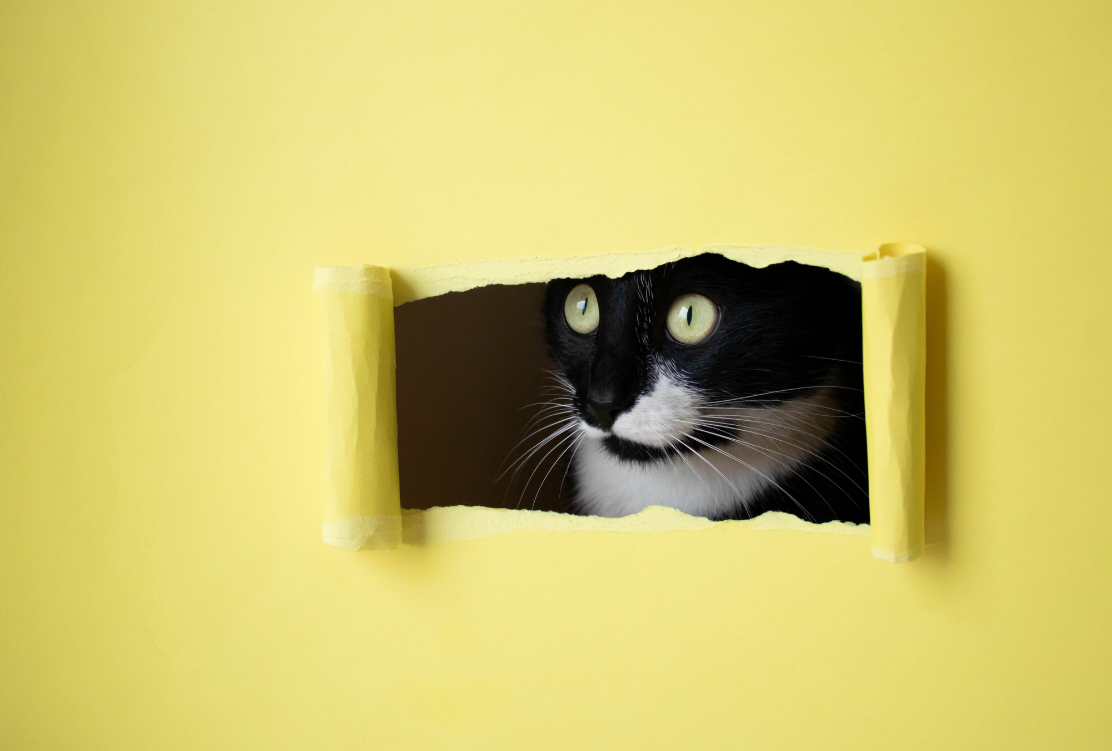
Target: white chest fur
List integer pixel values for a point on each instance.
(763, 445)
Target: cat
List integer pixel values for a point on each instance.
(710, 386)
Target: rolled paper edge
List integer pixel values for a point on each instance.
(892, 557)
(878, 268)
(383, 532)
(890, 260)
(357, 280)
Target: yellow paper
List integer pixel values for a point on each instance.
(449, 524)
(415, 283)
(362, 499)
(362, 506)
(893, 303)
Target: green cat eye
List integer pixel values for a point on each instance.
(581, 309)
(691, 319)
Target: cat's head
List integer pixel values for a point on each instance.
(654, 361)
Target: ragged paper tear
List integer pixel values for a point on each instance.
(454, 523)
(362, 502)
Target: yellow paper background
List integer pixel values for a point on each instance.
(169, 173)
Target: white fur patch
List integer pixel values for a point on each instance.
(769, 444)
(654, 417)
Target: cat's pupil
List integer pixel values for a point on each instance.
(582, 305)
(687, 312)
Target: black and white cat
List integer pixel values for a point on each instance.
(712, 387)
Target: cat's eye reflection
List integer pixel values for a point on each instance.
(581, 309)
(691, 319)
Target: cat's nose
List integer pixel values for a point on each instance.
(603, 412)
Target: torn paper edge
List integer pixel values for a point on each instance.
(357, 280)
(884, 267)
(364, 532)
(454, 523)
(890, 556)
(418, 282)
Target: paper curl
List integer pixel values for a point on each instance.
(893, 305)
(362, 507)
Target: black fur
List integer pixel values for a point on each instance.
(783, 332)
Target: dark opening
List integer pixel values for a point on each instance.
(754, 402)
(469, 363)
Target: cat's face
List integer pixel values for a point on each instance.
(654, 360)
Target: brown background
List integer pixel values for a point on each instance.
(469, 363)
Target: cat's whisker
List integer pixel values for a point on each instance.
(513, 478)
(564, 424)
(548, 397)
(737, 493)
(560, 381)
(813, 411)
(796, 404)
(549, 407)
(575, 450)
(561, 420)
(777, 412)
(554, 389)
(822, 440)
(669, 438)
(782, 440)
(556, 461)
(816, 387)
(555, 417)
(547, 430)
(804, 427)
(540, 462)
(834, 359)
(741, 422)
(698, 477)
(751, 468)
(746, 464)
(553, 406)
(787, 462)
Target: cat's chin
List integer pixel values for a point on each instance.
(628, 450)
(632, 451)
